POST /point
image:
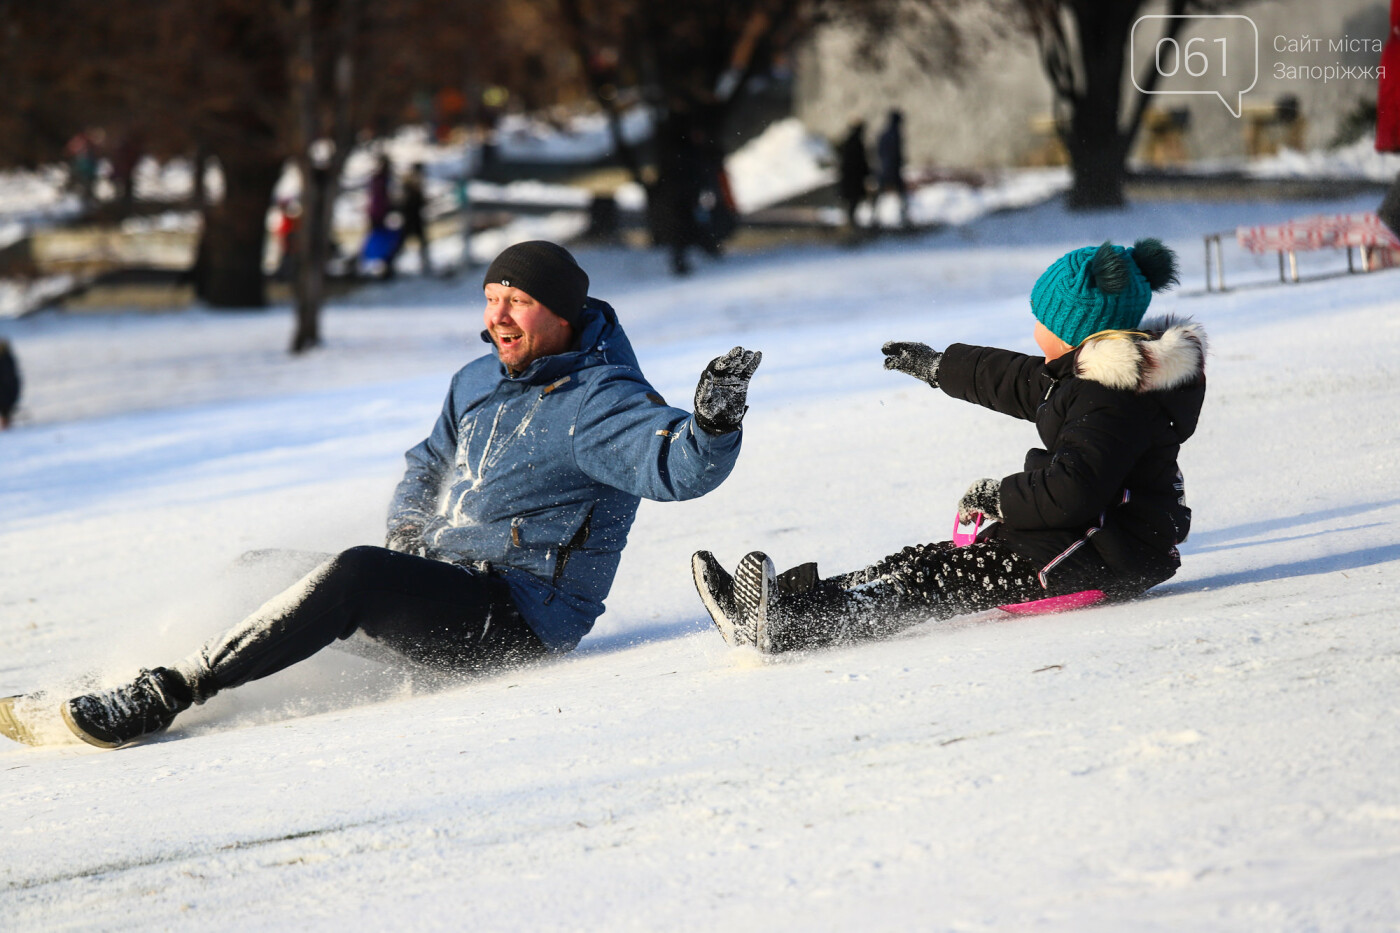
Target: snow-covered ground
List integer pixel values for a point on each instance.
(1222, 755)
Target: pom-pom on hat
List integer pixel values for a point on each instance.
(1098, 288)
(547, 272)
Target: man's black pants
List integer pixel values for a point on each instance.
(443, 616)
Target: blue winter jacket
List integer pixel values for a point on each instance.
(540, 474)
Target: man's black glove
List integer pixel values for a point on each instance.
(982, 496)
(721, 397)
(917, 359)
(406, 539)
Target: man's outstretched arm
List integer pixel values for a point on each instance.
(627, 437)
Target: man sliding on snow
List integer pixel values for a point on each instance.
(506, 531)
(1101, 507)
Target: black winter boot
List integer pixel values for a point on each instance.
(753, 586)
(784, 612)
(716, 588)
(123, 714)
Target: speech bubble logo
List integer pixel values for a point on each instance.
(1210, 54)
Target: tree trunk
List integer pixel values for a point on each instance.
(199, 194)
(573, 15)
(1097, 152)
(320, 172)
(1097, 148)
(318, 195)
(229, 271)
(1098, 173)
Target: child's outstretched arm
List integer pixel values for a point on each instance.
(1005, 381)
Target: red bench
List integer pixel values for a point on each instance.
(1379, 247)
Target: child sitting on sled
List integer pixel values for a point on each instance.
(1100, 507)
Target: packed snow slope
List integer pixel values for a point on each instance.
(1224, 754)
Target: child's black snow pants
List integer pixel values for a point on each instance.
(443, 616)
(924, 582)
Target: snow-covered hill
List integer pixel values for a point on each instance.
(1222, 755)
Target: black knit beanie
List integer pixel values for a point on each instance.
(547, 273)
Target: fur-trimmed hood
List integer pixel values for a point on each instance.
(1165, 358)
(1165, 353)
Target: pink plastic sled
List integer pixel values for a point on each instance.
(1035, 606)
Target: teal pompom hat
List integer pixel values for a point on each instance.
(1098, 288)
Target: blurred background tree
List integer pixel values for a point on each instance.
(254, 85)
(1084, 51)
(251, 84)
(166, 78)
(693, 63)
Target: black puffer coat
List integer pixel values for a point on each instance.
(1102, 505)
(9, 382)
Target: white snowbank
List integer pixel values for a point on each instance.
(29, 197)
(1360, 160)
(785, 160)
(584, 138)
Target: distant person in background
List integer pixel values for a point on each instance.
(1389, 211)
(890, 149)
(9, 384)
(124, 161)
(678, 188)
(1388, 116)
(855, 171)
(717, 213)
(414, 228)
(385, 236)
(287, 232)
(380, 201)
(83, 155)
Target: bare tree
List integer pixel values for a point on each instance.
(1083, 48)
(692, 63)
(247, 84)
(234, 100)
(334, 47)
(323, 135)
(195, 76)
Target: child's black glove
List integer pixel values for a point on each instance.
(982, 496)
(721, 397)
(917, 359)
(406, 539)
